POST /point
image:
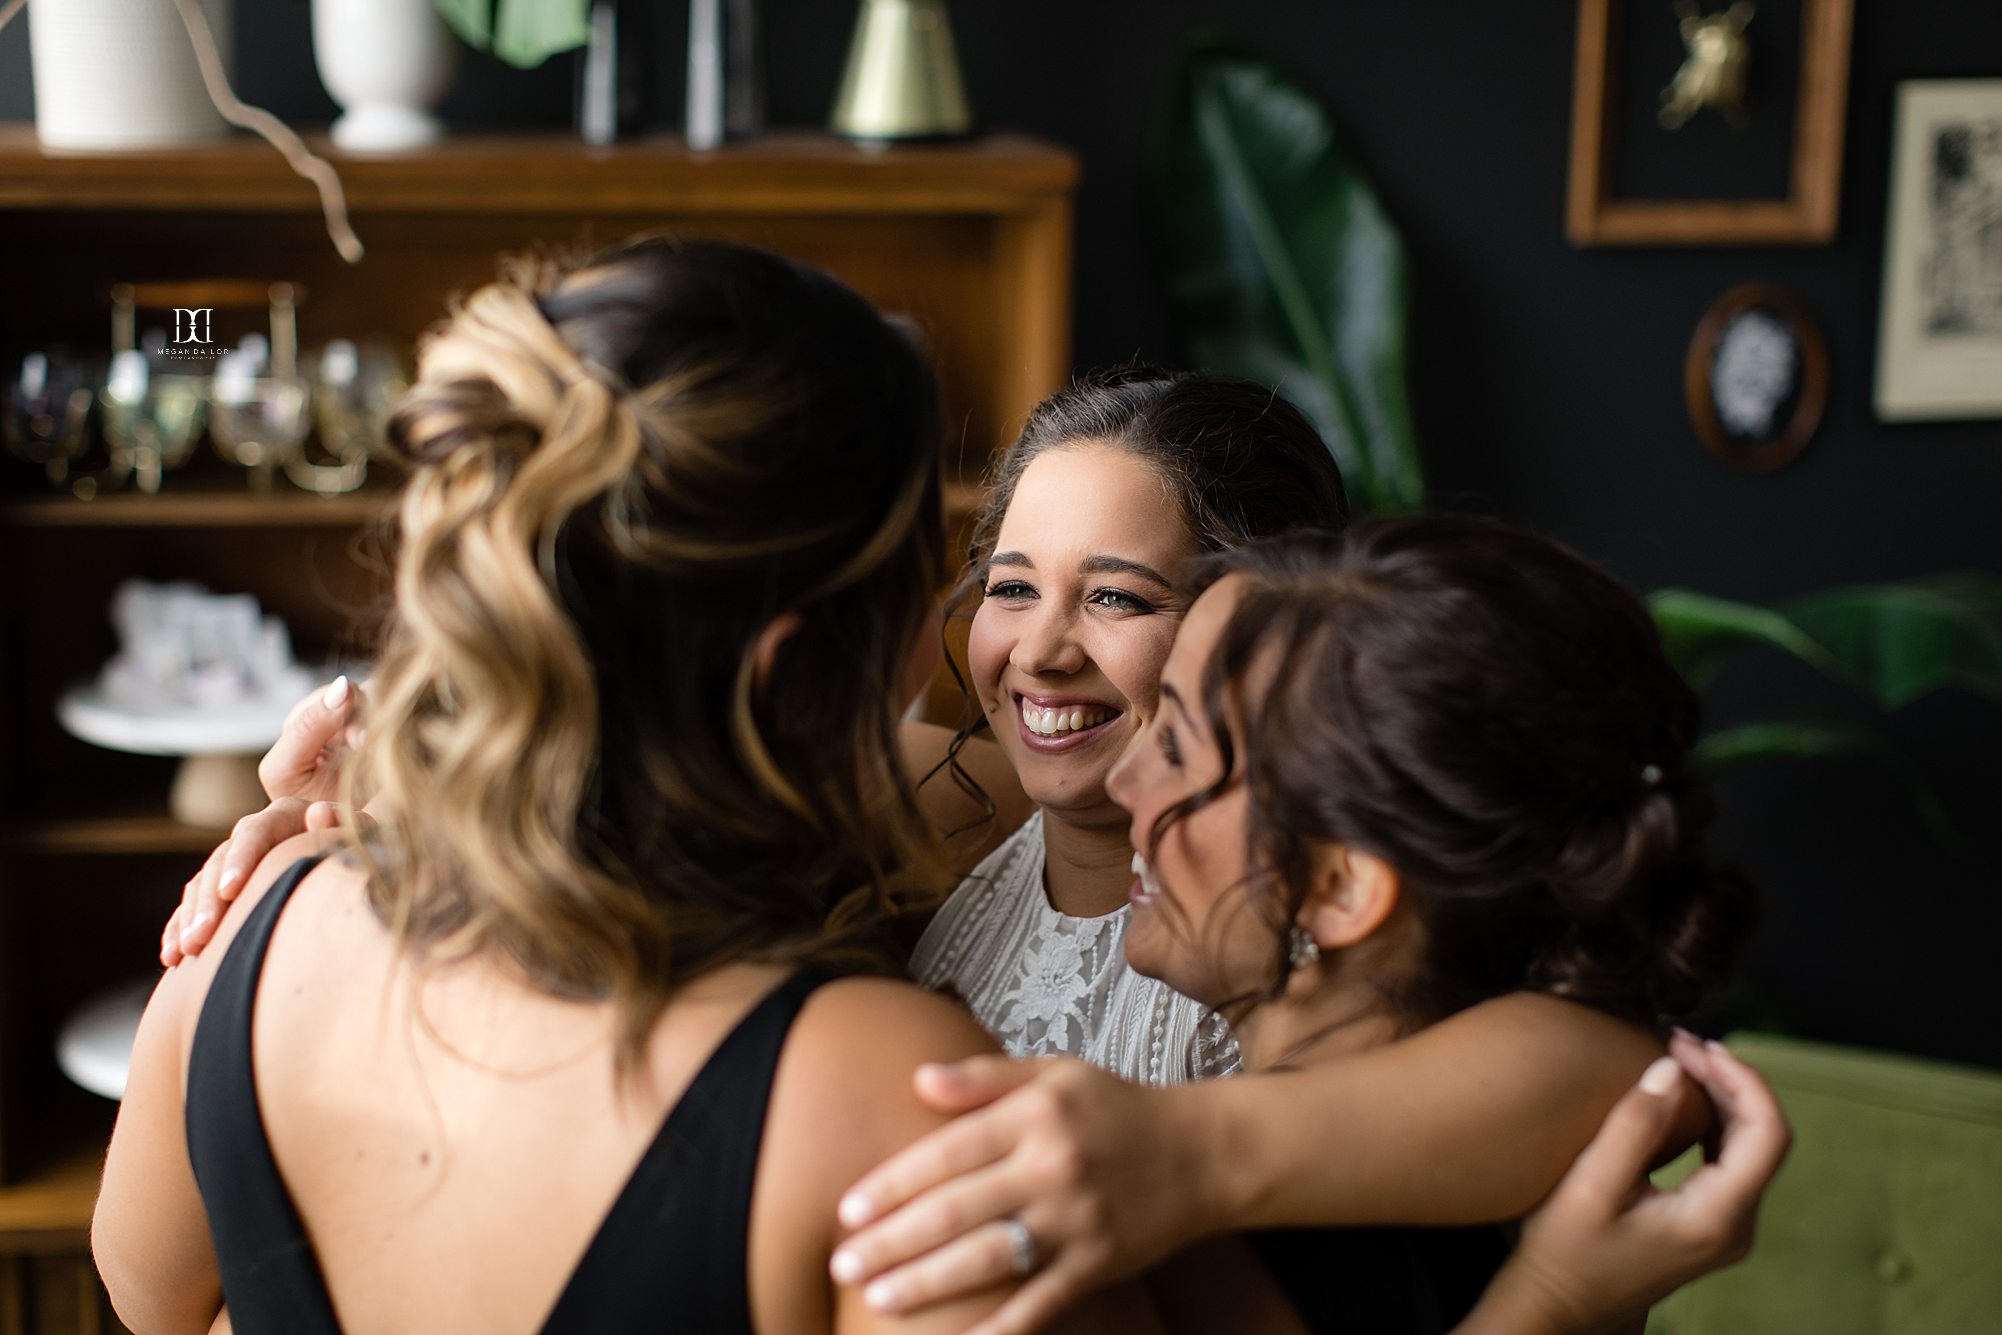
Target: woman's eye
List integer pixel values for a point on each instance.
(1010, 588)
(1119, 600)
(1169, 751)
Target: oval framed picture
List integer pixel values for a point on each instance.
(1756, 378)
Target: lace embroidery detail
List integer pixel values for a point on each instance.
(1044, 982)
(1052, 993)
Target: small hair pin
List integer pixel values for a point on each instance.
(1651, 775)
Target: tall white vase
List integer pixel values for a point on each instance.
(113, 74)
(386, 62)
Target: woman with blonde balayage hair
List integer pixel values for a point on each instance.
(575, 1037)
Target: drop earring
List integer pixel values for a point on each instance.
(1301, 949)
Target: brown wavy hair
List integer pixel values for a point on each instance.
(623, 471)
(1494, 717)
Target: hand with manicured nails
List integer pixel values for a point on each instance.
(1099, 1171)
(300, 774)
(1608, 1244)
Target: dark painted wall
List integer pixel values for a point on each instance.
(1548, 389)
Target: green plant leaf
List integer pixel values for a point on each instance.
(1699, 632)
(473, 20)
(1893, 641)
(1900, 640)
(524, 33)
(1281, 266)
(1729, 749)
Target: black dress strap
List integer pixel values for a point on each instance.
(673, 1251)
(270, 1278)
(671, 1254)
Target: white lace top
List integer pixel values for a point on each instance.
(1044, 982)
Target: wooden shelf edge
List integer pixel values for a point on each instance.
(107, 835)
(240, 510)
(52, 1207)
(198, 510)
(785, 173)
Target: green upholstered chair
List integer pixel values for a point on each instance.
(1886, 1219)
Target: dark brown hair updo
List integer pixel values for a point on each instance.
(1494, 717)
(1239, 461)
(623, 471)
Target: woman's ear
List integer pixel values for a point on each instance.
(765, 649)
(1353, 897)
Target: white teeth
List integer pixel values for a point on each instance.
(1050, 722)
(1149, 886)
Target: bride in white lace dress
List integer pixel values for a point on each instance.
(1112, 486)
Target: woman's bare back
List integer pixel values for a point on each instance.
(453, 1139)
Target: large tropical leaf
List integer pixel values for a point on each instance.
(1700, 632)
(1281, 266)
(1900, 640)
(1729, 749)
(1893, 641)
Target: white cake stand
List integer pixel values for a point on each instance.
(95, 1045)
(217, 781)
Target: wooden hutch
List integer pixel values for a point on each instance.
(971, 240)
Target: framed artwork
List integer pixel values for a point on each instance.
(1939, 332)
(1756, 378)
(1700, 126)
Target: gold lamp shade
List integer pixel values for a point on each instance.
(902, 80)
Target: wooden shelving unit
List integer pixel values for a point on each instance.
(971, 241)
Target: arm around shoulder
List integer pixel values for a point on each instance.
(1471, 1120)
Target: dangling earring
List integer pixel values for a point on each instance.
(1301, 949)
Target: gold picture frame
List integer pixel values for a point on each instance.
(1806, 217)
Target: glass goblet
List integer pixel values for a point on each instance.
(354, 388)
(48, 412)
(258, 422)
(153, 417)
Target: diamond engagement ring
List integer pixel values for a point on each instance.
(1021, 1246)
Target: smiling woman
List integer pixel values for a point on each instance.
(1113, 487)
(1075, 622)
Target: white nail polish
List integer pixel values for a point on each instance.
(880, 1296)
(853, 1211)
(847, 1267)
(1659, 1078)
(337, 694)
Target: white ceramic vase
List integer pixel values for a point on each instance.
(115, 74)
(386, 62)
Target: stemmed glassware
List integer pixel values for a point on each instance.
(257, 420)
(152, 417)
(48, 412)
(90, 426)
(353, 388)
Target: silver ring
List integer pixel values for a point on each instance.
(1021, 1246)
